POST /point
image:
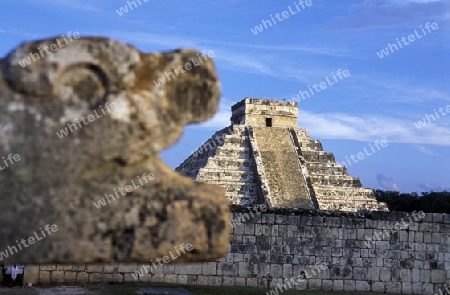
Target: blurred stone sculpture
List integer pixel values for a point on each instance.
(81, 179)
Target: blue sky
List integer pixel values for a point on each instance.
(380, 100)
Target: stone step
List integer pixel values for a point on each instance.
(311, 145)
(317, 156)
(244, 148)
(349, 208)
(345, 195)
(236, 135)
(231, 163)
(324, 171)
(346, 200)
(227, 151)
(237, 153)
(235, 186)
(242, 193)
(316, 176)
(328, 188)
(335, 181)
(235, 139)
(354, 196)
(319, 168)
(231, 175)
(303, 134)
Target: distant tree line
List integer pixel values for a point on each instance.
(428, 202)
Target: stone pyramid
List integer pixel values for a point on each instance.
(263, 157)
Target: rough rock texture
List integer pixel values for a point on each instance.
(263, 157)
(59, 179)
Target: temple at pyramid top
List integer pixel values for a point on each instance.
(265, 112)
(263, 157)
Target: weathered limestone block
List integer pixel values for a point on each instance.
(116, 120)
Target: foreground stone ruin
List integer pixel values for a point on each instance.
(81, 178)
(263, 157)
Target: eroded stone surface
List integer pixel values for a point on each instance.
(59, 177)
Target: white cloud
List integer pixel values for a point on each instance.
(370, 128)
(332, 51)
(386, 182)
(243, 62)
(435, 188)
(19, 33)
(426, 150)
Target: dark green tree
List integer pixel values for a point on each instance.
(429, 202)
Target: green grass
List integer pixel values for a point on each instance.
(131, 288)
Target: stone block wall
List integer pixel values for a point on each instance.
(272, 247)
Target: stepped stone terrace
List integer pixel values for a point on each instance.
(264, 157)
